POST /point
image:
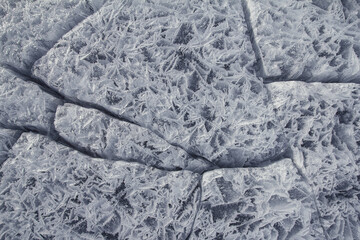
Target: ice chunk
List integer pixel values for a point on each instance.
(24, 104)
(28, 29)
(119, 140)
(307, 40)
(322, 121)
(182, 70)
(50, 191)
(272, 202)
(7, 138)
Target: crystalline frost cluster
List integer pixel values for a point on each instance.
(215, 119)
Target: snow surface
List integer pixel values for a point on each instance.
(179, 120)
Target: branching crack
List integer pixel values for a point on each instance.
(53, 135)
(292, 156)
(52, 91)
(198, 207)
(259, 66)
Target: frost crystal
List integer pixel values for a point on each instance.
(323, 123)
(28, 29)
(122, 104)
(7, 138)
(182, 70)
(119, 140)
(55, 192)
(24, 104)
(307, 40)
(273, 202)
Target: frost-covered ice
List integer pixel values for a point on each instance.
(7, 138)
(185, 71)
(24, 104)
(273, 202)
(119, 140)
(157, 88)
(310, 40)
(50, 191)
(318, 115)
(334, 177)
(28, 29)
(323, 123)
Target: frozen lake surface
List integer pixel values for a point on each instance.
(215, 119)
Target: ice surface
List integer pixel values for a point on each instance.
(334, 177)
(272, 202)
(7, 138)
(157, 88)
(50, 191)
(23, 104)
(318, 115)
(322, 122)
(316, 40)
(119, 140)
(28, 29)
(183, 70)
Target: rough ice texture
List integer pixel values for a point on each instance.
(7, 138)
(323, 123)
(182, 70)
(119, 140)
(273, 202)
(28, 29)
(24, 104)
(316, 40)
(318, 115)
(52, 191)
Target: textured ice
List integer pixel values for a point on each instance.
(7, 138)
(119, 140)
(28, 29)
(154, 89)
(183, 70)
(24, 104)
(323, 123)
(272, 202)
(311, 40)
(50, 191)
(334, 177)
(318, 115)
